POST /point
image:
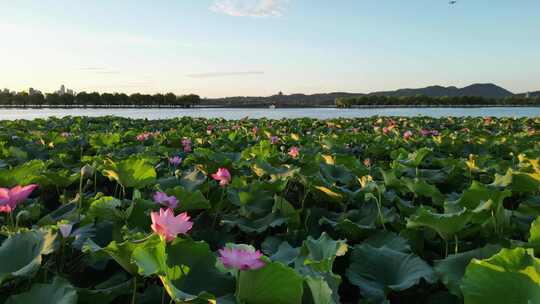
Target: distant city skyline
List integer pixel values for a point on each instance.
(219, 48)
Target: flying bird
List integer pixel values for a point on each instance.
(452, 2)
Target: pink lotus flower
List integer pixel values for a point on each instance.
(294, 152)
(367, 162)
(169, 226)
(144, 136)
(165, 200)
(175, 160)
(10, 198)
(242, 259)
(385, 130)
(274, 140)
(65, 230)
(254, 130)
(407, 135)
(223, 176)
(186, 143)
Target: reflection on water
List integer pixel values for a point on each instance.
(323, 113)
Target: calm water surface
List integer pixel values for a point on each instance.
(322, 113)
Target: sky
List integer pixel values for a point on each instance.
(218, 48)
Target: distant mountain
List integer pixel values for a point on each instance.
(487, 90)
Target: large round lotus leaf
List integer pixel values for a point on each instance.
(21, 254)
(446, 225)
(274, 283)
(186, 268)
(511, 276)
(131, 173)
(376, 271)
(452, 269)
(58, 292)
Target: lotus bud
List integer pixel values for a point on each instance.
(87, 171)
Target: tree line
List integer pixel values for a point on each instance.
(422, 100)
(96, 99)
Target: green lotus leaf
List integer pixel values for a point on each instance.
(452, 269)
(377, 271)
(421, 188)
(105, 292)
(320, 253)
(446, 225)
(99, 140)
(273, 283)
(106, 208)
(189, 200)
(25, 174)
(192, 179)
(388, 239)
(534, 234)
(22, 253)
(58, 292)
(262, 168)
(258, 225)
(415, 158)
(131, 173)
(518, 181)
(320, 292)
(186, 268)
(336, 173)
(288, 211)
(511, 276)
(285, 254)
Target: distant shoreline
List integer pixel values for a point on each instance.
(35, 107)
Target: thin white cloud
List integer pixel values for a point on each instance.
(224, 74)
(250, 8)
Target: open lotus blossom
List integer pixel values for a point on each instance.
(146, 136)
(168, 226)
(10, 198)
(242, 259)
(223, 176)
(65, 229)
(165, 200)
(425, 132)
(175, 161)
(186, 143)
(274, 140)
(407, 135)
(294, 152)
(209, 129)
(386, 130)
(254, 130)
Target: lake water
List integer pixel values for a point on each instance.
(229, 113)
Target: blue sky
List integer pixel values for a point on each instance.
(259, 47)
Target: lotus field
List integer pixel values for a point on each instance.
(193, 210)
